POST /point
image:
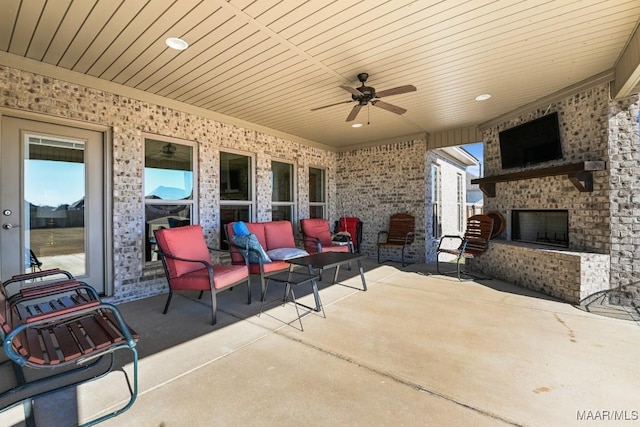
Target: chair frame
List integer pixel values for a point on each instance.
(214, 300)
(473, 244)
(399, 234)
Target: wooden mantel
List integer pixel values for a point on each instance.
(580, 175)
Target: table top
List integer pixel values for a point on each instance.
(326, 259)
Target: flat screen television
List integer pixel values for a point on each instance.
(530, 143)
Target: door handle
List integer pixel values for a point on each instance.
(8, 226)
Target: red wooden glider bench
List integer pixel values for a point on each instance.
(55, 335)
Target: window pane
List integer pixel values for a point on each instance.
(316, 185)
(316, 211)
(282, 213)
(54, 197)
(163, 216)
(282, 180)
(168, 171)
(235, 177)
(168, 176)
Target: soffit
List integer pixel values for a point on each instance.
(270, 62)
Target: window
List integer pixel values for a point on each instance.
(236, 190)
(317, 193)
(436, 188)
(460, 201)
(282, 191)
(169, 183)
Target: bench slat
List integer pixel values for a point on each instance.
(96, 333)
(49, 346)
(83, 344)
(68, 345)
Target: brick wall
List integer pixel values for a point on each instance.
(129, 119)
(374, 183)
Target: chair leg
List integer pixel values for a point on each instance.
(166, 306)
(263, 285)
(402, 257)
(249, 290)
(214, 307)
(200, 296)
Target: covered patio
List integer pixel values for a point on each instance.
(415, 349)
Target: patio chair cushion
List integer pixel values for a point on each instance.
(269, 267)
(223, 276)
(282, 254)
(187, 241)
(250, 241)
(317, 228)
(279, 234)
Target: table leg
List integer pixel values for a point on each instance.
(364, 283)
(316, 296)
(335, 275)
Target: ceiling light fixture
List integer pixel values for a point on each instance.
(483, 97)
(356, 125)
(176, 43)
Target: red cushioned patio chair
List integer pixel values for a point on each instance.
(317, 237)
(188, 265)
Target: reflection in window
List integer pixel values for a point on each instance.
(282, 201)
(168, 184)
(54, 194)
(436, 190)
(236, 198)
(316, 193)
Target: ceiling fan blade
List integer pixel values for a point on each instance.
(396, 91)
(389, 107)
(352, 91)
(331, 105)
(354, 112)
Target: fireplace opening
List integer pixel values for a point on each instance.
(549, 227)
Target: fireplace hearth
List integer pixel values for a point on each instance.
(548, 227)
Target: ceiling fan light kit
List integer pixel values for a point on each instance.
(367, 95)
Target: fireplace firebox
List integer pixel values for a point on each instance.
(549, 227)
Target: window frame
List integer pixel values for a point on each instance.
(460, 201)
(193, 202)
(294, 190)
(436, 200)
(323, 204)
(251, 202)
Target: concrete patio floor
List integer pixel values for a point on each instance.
(416, 349)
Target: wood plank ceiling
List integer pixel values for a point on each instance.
(270, 62)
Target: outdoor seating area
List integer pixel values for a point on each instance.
(355, 367)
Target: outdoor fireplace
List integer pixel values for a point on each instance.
(549, 227)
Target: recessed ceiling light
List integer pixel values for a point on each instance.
(176, 43)
(483, 97)
(356, 125)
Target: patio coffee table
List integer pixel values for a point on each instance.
(297, 278)
(324, 260)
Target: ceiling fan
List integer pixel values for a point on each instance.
(169, 150)
(364, 95)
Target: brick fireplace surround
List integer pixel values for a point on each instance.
(603, 224)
